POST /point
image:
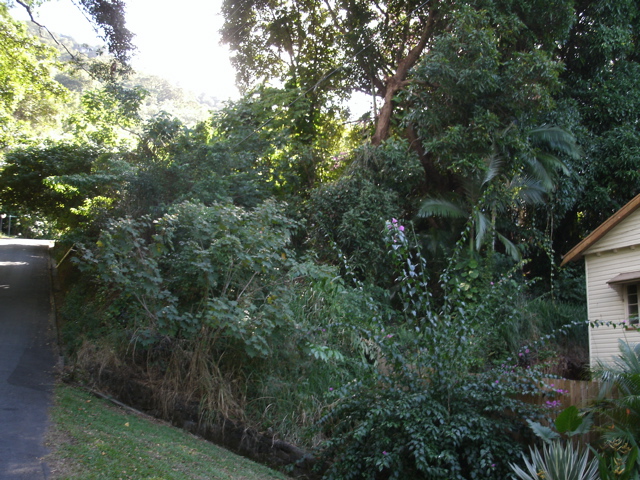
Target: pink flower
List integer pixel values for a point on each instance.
(552, 404)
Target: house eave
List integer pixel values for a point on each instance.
(578, 251)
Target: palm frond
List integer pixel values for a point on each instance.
(437, 207)
(482, 225)
(551, 163)
(556, 139)
(539, 170)
(528, 189)
(629, 359)
(509, 247)
(472, 188)
(494, 164)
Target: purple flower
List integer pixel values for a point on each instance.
(552, 404)
(497, 381)
(401, 228)
(331, 389)
(384, 452)
(393, 220)
(390, 335)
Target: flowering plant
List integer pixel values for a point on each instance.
(431, 412)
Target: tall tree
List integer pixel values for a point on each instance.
(377, 48)
(289, 45)
(602, 58)
(355, 45)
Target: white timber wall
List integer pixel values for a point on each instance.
(615, 253)
(625, 234)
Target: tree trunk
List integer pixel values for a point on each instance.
(398, 81)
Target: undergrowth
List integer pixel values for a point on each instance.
(210, 305)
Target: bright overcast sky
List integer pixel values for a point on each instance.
(178, 41)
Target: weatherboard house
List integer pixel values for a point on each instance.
(612, 267)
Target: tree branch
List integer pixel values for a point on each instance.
(399, 79)
(53, 37)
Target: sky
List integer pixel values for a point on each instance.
(178, 41)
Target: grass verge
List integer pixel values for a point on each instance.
(91, 439)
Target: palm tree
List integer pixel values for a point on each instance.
(502, 187)
(623, 375)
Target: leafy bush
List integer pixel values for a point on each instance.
(326, 346)
(433, 408)
(220, 307)
(55, 183)
(216, 271)
(352, 210)
(405, 426)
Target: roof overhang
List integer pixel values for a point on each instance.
(627, 277)
(577, 252)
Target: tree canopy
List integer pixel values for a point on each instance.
(29, 93)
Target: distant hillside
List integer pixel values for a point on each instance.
(163, 96)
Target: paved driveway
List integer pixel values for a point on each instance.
(26, 357)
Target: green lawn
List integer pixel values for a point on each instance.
(91, 439)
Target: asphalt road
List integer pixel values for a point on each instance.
(27, 358)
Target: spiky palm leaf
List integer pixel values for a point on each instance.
(557, 462)
(544, 165)
(494, 163)
(624, 375)
(482, 226)
(485, 192)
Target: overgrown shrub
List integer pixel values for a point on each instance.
(351, 211)
(218, 271)
(435, 407)
(213, 300)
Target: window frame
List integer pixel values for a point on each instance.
(632, 310)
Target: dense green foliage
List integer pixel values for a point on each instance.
(384, 291)
(29, 91)
(438, 407)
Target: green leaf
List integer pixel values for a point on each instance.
(569, 420)
(543, 432)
